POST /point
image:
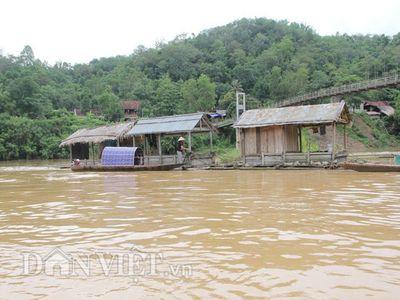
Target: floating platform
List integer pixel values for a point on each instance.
(368, 167)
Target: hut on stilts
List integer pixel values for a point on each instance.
(273, 136)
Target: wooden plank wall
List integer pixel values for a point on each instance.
(250, 144)
(292, 139)
(270, 140)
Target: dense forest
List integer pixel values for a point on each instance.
(269, 60)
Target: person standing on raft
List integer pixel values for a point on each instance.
(181, 150)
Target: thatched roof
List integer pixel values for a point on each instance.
(300, 115)
(98, 134)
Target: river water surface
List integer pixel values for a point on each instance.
(198, 234)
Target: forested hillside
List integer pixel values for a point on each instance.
(269, 60)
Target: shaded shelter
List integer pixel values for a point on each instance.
(80, 140)
(176, 125)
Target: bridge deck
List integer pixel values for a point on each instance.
(386, 81)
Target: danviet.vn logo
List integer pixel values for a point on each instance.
(132, 263)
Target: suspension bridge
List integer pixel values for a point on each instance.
(388, 80)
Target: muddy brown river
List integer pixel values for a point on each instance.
(198, 234)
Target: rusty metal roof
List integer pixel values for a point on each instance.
(305, 115)
(383, 106)
(98, 134)
(130, 104)
(171, 124)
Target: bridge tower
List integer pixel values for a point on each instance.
(240, 109)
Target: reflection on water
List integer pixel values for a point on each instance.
(244, 233)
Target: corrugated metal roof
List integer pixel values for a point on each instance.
(167, 124)
(306, 114)
(98, 134)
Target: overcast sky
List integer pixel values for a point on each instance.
(79, 30)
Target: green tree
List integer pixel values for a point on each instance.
(167, 98)
(110, 106)
(199, 95)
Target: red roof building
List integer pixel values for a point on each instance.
(131, 109)
(377, 108)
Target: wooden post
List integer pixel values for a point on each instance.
(159, 147)
(334, 141)
(344, 137)
(211, 142)
(242, 137)
(93, 154)
(117, 142)
(190, 141)
(300, 139)
(133, 142)
(145, 145)
(308, 152)
(284, 144)
(70, 152)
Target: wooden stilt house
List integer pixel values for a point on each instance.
(273, 136)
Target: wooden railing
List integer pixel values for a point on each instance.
(392, 79)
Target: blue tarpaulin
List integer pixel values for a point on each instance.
(217, 115)
(118, 156)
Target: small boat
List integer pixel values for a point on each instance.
(101, 168)
(369, 167)
(119, 159)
